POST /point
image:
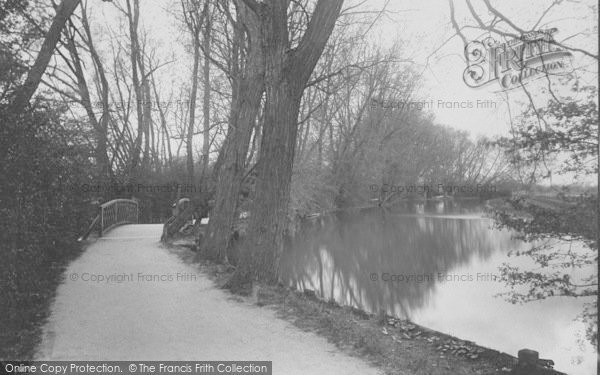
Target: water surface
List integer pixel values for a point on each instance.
(435, 263)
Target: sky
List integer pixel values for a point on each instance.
(427, 26)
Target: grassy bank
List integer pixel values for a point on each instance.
(393, 345)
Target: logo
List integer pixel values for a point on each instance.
(513, 63)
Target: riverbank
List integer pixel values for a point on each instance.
(394, 346)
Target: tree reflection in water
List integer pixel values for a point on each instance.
(335, 254)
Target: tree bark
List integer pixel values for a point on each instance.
(244, 109)
(193, 19)
(26, 91)
(206, 99)
(102, 131)
(192, 118)
(147, 111)
(133, 18)
(287, 72)
(86, 102)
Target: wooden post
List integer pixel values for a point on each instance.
(528, 357)
(101, 220)
(531, 364)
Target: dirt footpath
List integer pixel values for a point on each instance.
(128, 298)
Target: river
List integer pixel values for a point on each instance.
(436, 263)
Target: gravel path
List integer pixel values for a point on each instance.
(128, 298)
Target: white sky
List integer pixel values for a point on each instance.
(427, 25)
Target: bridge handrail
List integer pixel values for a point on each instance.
(113, 213)
(117, 212)
(118, 200)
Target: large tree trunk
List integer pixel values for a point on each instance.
(232, 164)
(231, 172)
(26, 91)
(286, 75)
(269, 219)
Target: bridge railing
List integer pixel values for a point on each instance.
(112, 214)
(117, 212)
